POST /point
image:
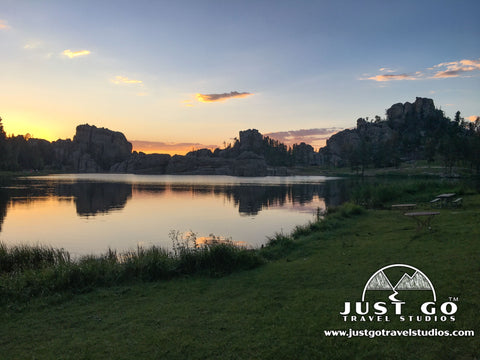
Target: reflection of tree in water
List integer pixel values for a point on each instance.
(253, 198)
(336, 192)
(3, 206)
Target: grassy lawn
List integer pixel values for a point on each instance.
(276, 311)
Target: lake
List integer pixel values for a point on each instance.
(88, 213)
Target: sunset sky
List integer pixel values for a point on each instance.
(177, 75)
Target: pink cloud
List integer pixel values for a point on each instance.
(4, 25)
(221, 97)
(461, 68)
(456, 68)
(388, 77)
(316, 137)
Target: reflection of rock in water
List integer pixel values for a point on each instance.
(94, 198)
(250, 199)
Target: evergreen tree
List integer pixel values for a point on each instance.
(3, 146)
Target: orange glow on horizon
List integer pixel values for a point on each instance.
(168, 149)
(18, 125)
(161, 151)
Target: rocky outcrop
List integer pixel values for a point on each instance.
(402, 136)
(250, 140)
(339, 145)
(249, 164)
(140, 163)
(99, 150)
(105, 147)
(92, 150)
(199, 165)
(399, 113)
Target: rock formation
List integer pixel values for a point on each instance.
(400, 113)
(105, 147)
(243, 159)
(140, 163)
(92, 150)
(404, 135)
(249, 164)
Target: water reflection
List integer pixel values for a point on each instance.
(93, 198)
(3, 206)
(87, 215)
(96, 198)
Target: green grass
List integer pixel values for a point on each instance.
(379, 193)
(275, 311)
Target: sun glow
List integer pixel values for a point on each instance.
(18, 123)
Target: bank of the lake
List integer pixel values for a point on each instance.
(276, 311)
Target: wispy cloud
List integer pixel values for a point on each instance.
(187, 103)
(460, 68)
(388, 70)
(456, 68)
(125, 80)
(221, 97)
(315, 137)
(388, 77)
(32, 45)
(73, 54)
(4, 25)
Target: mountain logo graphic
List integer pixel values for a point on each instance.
(396, 279)
(417, 281)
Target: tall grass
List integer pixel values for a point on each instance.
(22, 257)
(28, 271)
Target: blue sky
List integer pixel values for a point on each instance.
(139, 66)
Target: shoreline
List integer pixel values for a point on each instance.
(292, 298)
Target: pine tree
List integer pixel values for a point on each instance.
(3, 146)
(3, 136)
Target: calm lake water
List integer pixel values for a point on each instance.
(88, 213)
